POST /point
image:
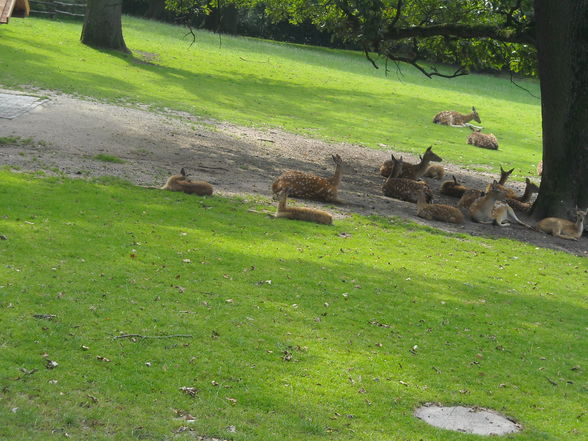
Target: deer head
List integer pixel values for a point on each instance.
(475, 115)
(430, 156)
(504, 175)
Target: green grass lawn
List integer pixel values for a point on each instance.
(361, 322)
(331, 94)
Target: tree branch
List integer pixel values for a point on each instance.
(151, 336)
(507, 35)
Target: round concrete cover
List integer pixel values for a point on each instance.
(474, 420)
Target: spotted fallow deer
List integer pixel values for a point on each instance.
(182, 183)
(510, 193)
(309, 186)
(402, 188)
(453, 188)
(456, 119)
(562, 227)
(301, 213)
(469, 197)
(487, 210)
(440, 212)
(412, 171)
(483, 140)
(522, 203)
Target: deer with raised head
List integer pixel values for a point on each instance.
(182, 183)
(456, 119)
(522, 203)
(411, 171)
(564, 228)
(301, 213)
(483, 140)
(487, 210)
(440, 212)
(453, 188)
(308, 186)
(510, 193)
(402, 188)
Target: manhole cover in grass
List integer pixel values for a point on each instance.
(12, 105)
(474, 420)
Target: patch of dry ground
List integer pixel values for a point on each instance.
(69, 132)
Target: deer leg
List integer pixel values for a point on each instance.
(472, 126)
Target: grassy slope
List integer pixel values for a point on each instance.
(110, 259)
(331, 94)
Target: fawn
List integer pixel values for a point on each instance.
(301, 213)
(309, 186)
(412, 171)
(440, 212)
(469, 197)
(404, 189)
(485, 210)
(483, 140)
(456, 119)
(182, 183)
(562, 227)
(415, 171)
(522, 203)
(453, 188)
(503, 178)
(435, 172)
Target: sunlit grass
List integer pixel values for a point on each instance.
(297, 331)
(331, 94)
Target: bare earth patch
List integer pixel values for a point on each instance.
(70, 132)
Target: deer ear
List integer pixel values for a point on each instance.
(510, 171)
(454, 179)
(473, 108)
(429, 148)
(183, 172)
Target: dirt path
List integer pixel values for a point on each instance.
(68, 132)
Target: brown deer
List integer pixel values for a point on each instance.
(411, 171)
(522, 203)
(456, 119)
(486, 210)
(435, 172)
(503, 178)
(404, 189)
(309, 186)
(562, 227)
(440, 212)
(453, 188)
(469, 197)
(483, 140)
(182, 183)
(301, 213)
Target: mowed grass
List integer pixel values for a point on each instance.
(296, 331)
(331, 94)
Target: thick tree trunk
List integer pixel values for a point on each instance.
(562, 47)
(103, 26)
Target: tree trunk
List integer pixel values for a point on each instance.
(156, 9)
(562, 47)
(103, 26)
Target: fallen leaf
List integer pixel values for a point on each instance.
(232, 400)
(101, 358)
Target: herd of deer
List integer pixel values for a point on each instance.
(496, 205)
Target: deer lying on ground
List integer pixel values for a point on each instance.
(301, 213)
(435, 172)
(182, 183)
(453, 188)
(522, 203)
(503, 178)
(309, 186)
(483, 140)
(456, 119)
(486, 209)
(469, 197)
(402, 188)
(411, 171)
(440, 212)
(562, 227)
